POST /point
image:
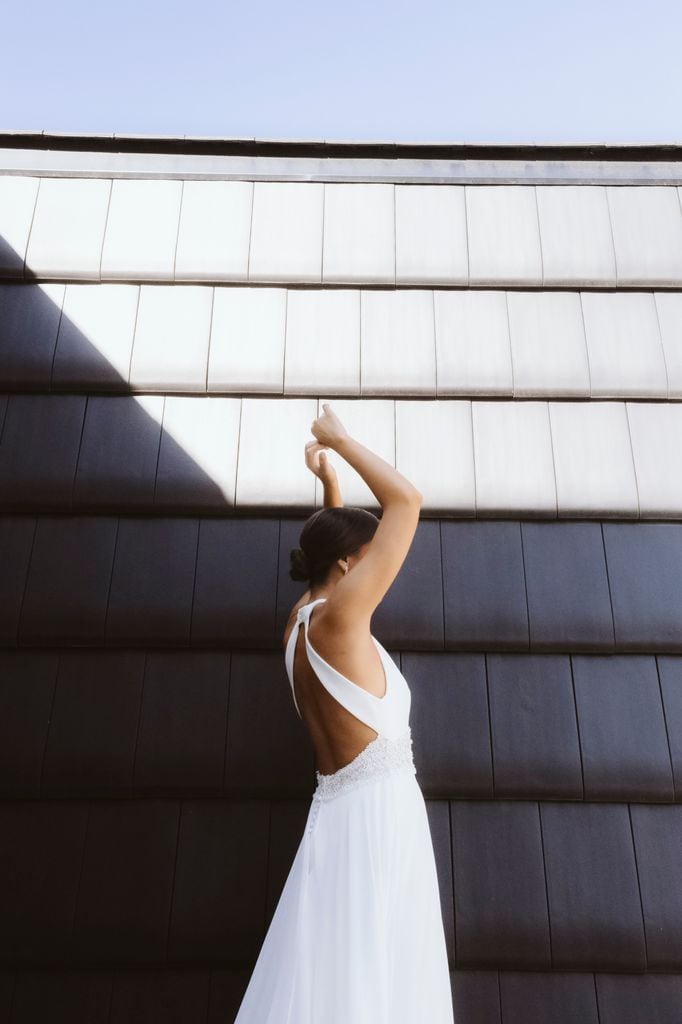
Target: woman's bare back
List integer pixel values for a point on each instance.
(337, 735)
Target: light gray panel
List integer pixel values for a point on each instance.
(96, 336)
(647, 232)
(247, 339)
(286, 232)
(397, 342)
(669, 309)
(575, 231)
(435, 452)
(624, 345)
(170, 349)
(473, 350)
(504, 239)
(359, 234)
(431, 234)
(593, 459)
(322, 341)
(513, 456)
(274, 472)
(17, 203)
(549, 355)
(67, 233)
(214, 232)
(198, 454)
(142, 230)
(29, 321)
(656, 431)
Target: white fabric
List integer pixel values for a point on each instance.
(357, 935)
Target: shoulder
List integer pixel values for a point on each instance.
(292, 616)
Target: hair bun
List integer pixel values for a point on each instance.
(300, 565)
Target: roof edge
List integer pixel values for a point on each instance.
(214, 145)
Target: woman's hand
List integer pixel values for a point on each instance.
(317, 462)
(328, 428)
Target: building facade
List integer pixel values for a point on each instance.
(504, 325)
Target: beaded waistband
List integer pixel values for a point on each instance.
(381, 756)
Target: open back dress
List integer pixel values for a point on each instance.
(357, 935)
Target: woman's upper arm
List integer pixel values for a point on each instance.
(357, 595)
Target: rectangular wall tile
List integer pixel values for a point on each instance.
(656, 433)
(322, 341)
(29, 322)
(669, 310)
(624, 345)
(277, 471)
(372, 422)
(443, 472)
(622, 728)
(67, 233)
(431, 235)
(575, 231)
(286, 231)
(16, 542)
(142, 229)
(18, 195)
(170, 348)
(95, 337)
(504, 239)
(27, 684)
(473, 352)
(215, 230)
(247, 339)
(549, 355)
(513, 457)
(197, 461)
(670, 675)
(359, 233)
(593, 464)
(647, 234)
(397, 342)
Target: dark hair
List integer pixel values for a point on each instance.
(330, 533)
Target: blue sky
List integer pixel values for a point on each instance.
(521, 71)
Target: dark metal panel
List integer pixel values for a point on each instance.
(118, 454)
(594, 904)
(639, 999)
(411, 613)
(220, 881)
(534, 729)
(658, 844)
(622, 728)
(16, 541)
(41, 850)
(670, 675)
(269, 752)
(438, 813)
(484, 591)
(557, 998)
(287, 823)
(39, 450)
(68, 997)
(124, 900)
(568, 592)
(183, 722)
(235, 593)
(27, 683)
(68, 580)
(450, 723)
(152, 581)
(645, 568)
(501, 913)
(476, 997)
(29, 322)
(93, 724)
(171, 997)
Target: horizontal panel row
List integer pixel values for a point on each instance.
(186, 453)
(491, 586)
(124, 723)
(355, 342)
(340, 233)
(522, 884)
(212, 995)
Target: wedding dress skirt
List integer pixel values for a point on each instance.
(357, 934)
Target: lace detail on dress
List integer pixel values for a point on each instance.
(381, 756)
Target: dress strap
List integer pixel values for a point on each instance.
(365, 706)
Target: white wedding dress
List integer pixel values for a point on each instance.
(357, 936)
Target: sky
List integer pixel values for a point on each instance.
(521, 71)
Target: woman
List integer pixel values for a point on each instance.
(357, 935)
